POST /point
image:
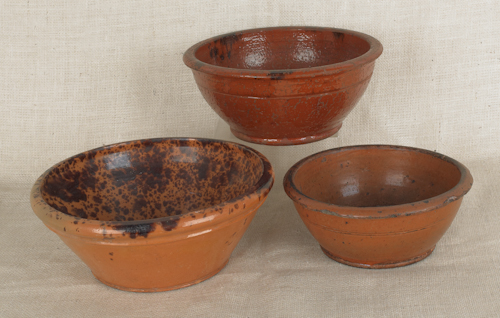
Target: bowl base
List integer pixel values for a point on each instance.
(379, 265)
(286, 141)
(160, 289)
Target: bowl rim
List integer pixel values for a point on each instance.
(390, 211)
(371, 55)
(51, 216)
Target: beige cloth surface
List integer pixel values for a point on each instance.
(75, 75)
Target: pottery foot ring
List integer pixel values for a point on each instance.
(286, 141)
(378, 265)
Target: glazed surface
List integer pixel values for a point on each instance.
(284, 85)
(282, 49)
(376, 177)
(151, 179)
(377, 206)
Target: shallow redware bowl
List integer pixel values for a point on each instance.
(377, 206)
(154, 215)
(284, 85)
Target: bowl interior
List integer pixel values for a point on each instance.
(281, 49)
(151, 179)
(376, 177)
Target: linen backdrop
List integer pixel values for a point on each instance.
(75, 75)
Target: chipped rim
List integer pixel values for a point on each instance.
(68, 225)
(371, 55)
(457, 192)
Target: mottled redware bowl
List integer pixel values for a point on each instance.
(377, 206)
(284, 85)
(154, 215)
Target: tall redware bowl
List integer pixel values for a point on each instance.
(284, 85)
(377, 206)
(157, 214)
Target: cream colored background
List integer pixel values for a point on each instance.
(75, 75)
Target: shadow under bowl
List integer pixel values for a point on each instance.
(157, 214)
(284, 85)
(377, 206)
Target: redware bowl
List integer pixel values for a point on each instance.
(284, 85)
(377, 206)
(153, 215)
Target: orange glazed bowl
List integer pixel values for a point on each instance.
(154, 215)
(377, 206)
(284, 85)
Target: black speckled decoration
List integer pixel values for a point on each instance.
(151, 179)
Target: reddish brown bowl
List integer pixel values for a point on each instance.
(284, 85)
(153, 215)
(377, 206)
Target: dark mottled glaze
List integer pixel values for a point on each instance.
(150, 179)
(141, 213)
(284, 85)
(377, 206)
